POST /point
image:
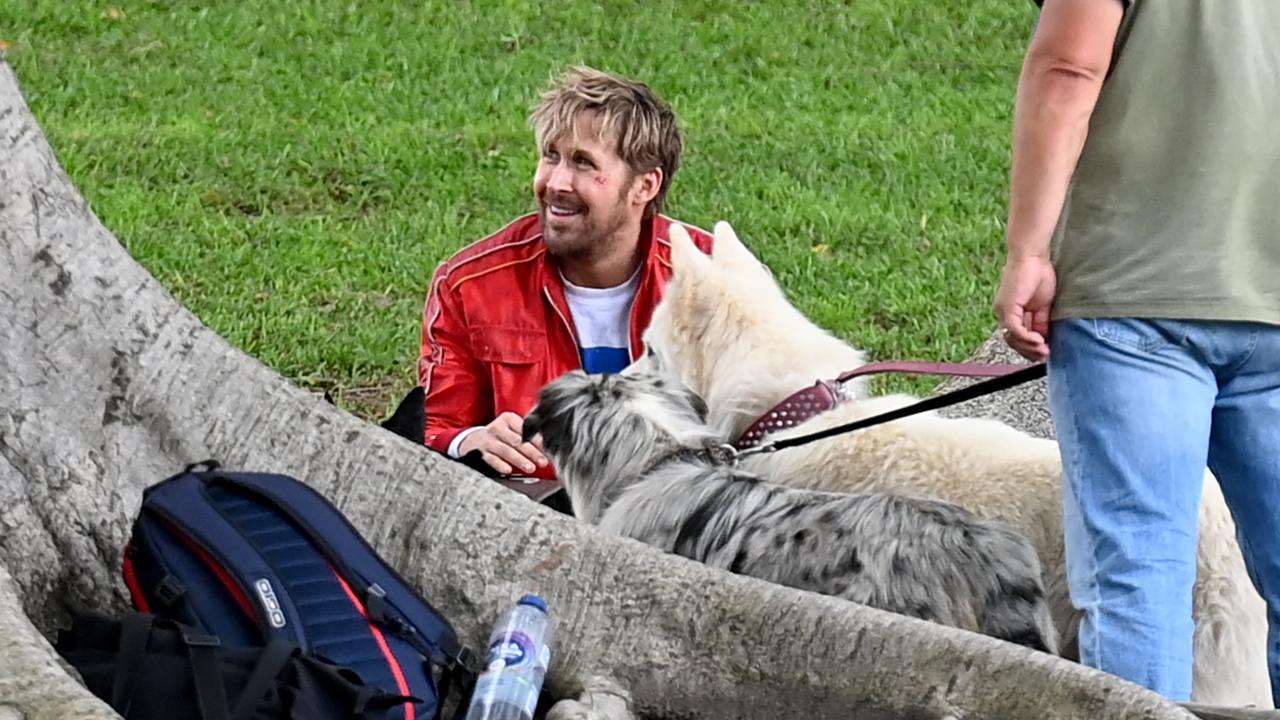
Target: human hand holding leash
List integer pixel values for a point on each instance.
(502, 448)
(1022, 305)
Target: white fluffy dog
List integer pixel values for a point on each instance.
(727, 331)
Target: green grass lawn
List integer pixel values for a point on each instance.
(293, 171)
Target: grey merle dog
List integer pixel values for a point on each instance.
(637, 459)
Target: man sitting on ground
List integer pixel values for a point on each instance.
(572, 285)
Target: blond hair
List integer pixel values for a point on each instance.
(642, 126)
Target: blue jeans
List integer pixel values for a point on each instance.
(1140, 408)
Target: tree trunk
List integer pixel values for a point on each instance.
(107, 384)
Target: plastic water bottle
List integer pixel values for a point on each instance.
(519, 652)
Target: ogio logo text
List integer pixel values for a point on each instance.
(275, 615)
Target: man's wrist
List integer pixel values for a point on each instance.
(1016, 252)
(455, 446)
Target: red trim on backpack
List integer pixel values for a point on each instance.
(401, 683)
(220, 572)
(134, 584)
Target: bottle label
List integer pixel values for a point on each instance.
(513, 650)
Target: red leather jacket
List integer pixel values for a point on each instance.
(496, 326)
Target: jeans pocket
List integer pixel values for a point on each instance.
(1145, 335)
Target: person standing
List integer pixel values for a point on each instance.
(1143, 263)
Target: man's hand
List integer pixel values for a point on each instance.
(1022, 305)
(500, 445)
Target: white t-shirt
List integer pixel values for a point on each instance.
(602, 318)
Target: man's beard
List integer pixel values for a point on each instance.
(591, 236)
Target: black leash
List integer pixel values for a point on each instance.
(976, 390)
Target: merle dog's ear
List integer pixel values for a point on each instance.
(550, 419)
(532, 424)
(410, 418)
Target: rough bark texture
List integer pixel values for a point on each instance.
(107, 384)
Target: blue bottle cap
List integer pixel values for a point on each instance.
(535, 601)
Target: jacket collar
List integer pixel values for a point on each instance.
(553, 283)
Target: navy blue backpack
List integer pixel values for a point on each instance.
(253, 557)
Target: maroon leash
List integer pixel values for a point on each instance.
(922, 367)
(822, 396)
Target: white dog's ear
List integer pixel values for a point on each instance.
(729, 250)
(684, 254)
(726, 239)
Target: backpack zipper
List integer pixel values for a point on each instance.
(397, 673)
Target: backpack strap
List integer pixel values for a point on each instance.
(444, 650)
(205, 671)
(155, 668)
(465, 677)
(456, 661)
(274, 658)
(135, 630)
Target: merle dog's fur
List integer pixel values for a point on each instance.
(638, 460)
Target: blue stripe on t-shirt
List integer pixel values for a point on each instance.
(604, 359)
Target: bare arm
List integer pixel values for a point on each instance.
(1061, 80)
